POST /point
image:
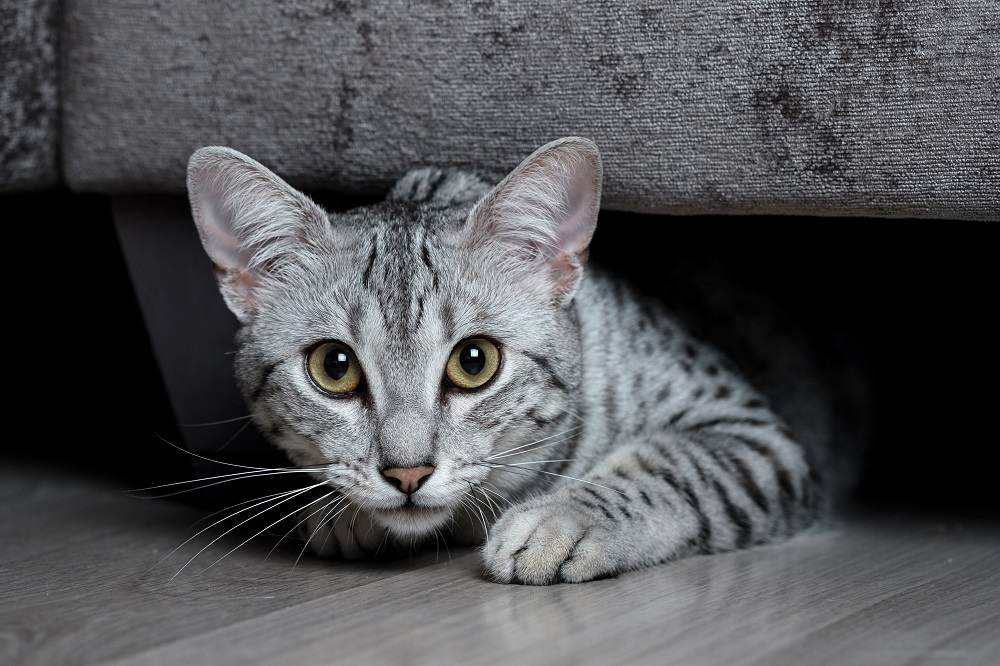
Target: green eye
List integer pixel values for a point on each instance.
(472, 363)
(334, 368)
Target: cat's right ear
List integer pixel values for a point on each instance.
(254, 226)
(545, 211)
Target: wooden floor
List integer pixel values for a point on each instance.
(80, 583)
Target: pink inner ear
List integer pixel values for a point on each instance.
(576, 229)
(221, 242)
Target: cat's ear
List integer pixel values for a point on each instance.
(253, 225)
(546, 210)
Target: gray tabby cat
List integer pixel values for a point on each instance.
(440, 359)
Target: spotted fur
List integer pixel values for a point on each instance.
(660, 448)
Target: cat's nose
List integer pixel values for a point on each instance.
(407, 479)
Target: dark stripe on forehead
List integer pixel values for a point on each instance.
(420, 312)
(448, 319)
(354, 314)
(425, 255)
(366, 277)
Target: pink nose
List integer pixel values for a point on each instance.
(407, 479)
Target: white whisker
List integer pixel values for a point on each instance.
(296, 525)
(472, 496)
(330, 507)
(531, 450)
(335, 518)
(225, 478)
(568, 431)
(246, 541)
(495, 491)
(495, 508)
(215, 423)
(232, 438)
(291, 496)
(564, 476)
(255, 499)
(222, 462)
(260, 501)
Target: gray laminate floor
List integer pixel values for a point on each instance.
(80, 583)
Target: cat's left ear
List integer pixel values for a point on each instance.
(256, 228)
(546, 210)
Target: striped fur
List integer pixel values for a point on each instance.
(661, 448)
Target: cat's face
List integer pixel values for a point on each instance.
(400, 348)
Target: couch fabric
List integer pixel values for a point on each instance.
(854, 107)
(29, 94)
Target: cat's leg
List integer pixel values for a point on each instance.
(350, 534)
(676, 494)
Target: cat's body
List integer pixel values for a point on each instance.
(606, 437)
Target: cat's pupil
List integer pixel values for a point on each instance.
(336, 364)
(472, 359)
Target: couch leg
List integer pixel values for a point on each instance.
(190, 329)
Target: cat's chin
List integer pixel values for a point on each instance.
(412, 521)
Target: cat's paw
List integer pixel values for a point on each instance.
(350, 536)
(551, 543)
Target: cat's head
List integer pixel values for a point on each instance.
(401, 347)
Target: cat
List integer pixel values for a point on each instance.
(446, 363)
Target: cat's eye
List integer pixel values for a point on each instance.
(472, 363)
(334, 368)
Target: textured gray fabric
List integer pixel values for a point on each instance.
(856, 107)
(29, 94)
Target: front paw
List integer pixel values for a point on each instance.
(351, 535)
(551, 543)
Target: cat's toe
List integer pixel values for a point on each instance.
(589, 559)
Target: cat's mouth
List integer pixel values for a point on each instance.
(414, 511)
(411, 519)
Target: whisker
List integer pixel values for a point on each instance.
(296, 525)
(464, 503)
(291, 496)
(232, 438)
(482, 516)
(354, 519)
(531, 450)
(486, 528)
(330, 507)
(285, 517)
(542, 471)
(223, 462)
(568, 431)
(495, 508)
(335, 518)
(385, 538)
(541, 462)
(225, 478)
(495, 491)
(472, 496)
(260, 500)
(254, 499)
(207, 424)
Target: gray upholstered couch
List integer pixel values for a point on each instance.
(846, 107)
(812, 107)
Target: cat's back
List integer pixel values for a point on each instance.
(809, 383)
